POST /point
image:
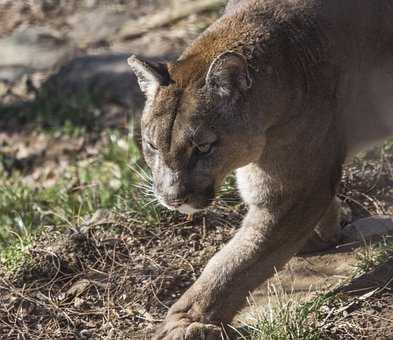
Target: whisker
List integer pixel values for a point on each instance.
(143, 187)
(144, 171)
(154, 201)
(142, 174)
(229, 200)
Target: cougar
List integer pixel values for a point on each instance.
(284, 92)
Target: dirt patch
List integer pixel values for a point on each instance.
(302, 279)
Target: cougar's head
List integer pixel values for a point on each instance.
(194, 126)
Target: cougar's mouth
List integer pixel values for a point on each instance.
(183, 208)
(187, 207)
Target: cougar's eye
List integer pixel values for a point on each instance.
(204, 149)
(151, 146)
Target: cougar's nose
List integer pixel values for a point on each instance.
(176, 192)
(176, 196)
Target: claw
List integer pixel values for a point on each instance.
(199, 331)
(183, 329)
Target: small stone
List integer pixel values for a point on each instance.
(368, 229)
(85, 333)
(104, 78)
(78, 302)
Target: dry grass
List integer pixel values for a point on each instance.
(109, 278)
(285, 317)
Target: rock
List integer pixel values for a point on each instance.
(97, 25)
(30, 49)
(103, 78)
(368, 229)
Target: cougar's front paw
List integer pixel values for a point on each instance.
(181, 327)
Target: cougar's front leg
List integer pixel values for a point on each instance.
(276, 227)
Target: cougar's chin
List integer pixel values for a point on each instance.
(187, 209)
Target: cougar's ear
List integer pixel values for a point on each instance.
(150, 75)
(228, 75)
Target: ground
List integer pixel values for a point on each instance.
(85, 250)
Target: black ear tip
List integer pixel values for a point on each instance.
(162, 69)
(147, 66)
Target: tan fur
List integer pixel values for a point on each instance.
(284, 91)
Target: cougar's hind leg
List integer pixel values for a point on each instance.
(328, 231)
